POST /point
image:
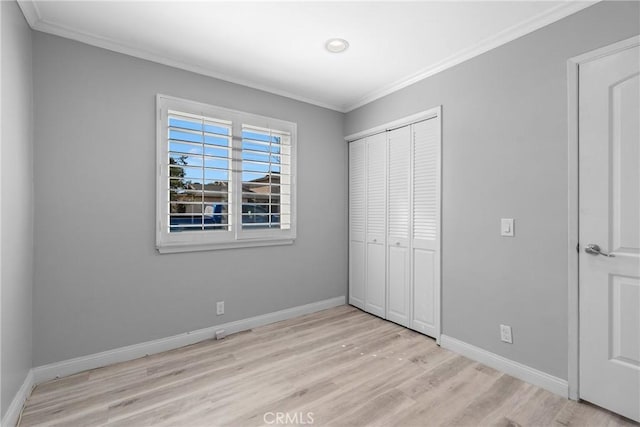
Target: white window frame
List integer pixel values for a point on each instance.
(167, 242)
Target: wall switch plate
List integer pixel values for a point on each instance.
(219, 308)
(505, 334)
(506, 227)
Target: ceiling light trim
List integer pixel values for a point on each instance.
(336, 45)
(515, 31)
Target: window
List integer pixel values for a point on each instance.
(226, 179)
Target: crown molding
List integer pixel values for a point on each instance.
(35, 20)
(30, 11)
(516, 31)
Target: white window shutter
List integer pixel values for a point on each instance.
(266, 179)
(226, 179)
(199, 179)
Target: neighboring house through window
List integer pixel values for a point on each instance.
(226, 178)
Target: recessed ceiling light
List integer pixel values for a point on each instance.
(336, 45)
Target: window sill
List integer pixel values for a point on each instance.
(190, 247)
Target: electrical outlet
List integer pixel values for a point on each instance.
(505, 334)
(506, 227)
(219, 308)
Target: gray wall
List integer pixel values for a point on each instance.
(99, 283)
(17, 201)
(505, 155)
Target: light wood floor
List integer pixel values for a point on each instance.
(337, 367)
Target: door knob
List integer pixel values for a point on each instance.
(595, 250)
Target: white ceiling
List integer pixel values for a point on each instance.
(279, 46)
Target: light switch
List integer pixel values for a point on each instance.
(506, 227)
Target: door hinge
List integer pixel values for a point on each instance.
(578, 248)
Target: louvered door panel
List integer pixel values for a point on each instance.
(399, 209)
(357, 188)
(376, 173)
(426, 180)
(399, 183)
(357, 222)
(376, 187)
(425, 259)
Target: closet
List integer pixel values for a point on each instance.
(394, 221)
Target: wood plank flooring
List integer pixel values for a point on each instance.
(338, 367)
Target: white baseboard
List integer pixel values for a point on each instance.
(123, 354)
(10, 418)
(523, 372)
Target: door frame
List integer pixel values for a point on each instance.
(435, 112)
(573, 66)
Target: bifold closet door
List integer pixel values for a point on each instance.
(357, 224)
(399, 226)
(376, 204)
(426, 227)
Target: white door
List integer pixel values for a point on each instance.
(357, 211)
(609, 199)
(399, 273)
(376, 203)
(425, 260)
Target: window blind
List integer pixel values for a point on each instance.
(266, 178)
(200, 173)
(226, 178)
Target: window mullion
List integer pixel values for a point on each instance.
(165, 172)
(202, 209)
(236, 166)
(270, 177)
